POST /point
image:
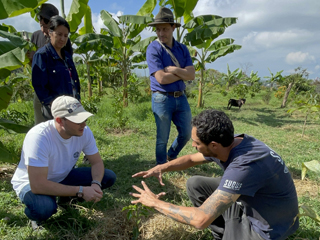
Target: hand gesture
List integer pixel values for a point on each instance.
(145, 196)
(155, 172)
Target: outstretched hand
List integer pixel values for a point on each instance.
(155, 172)
(145, 196)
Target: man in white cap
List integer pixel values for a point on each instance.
(50, 151)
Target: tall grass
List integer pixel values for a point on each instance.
(132, 149)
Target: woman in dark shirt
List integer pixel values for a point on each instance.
(53, 70)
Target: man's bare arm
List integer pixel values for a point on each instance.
(186, 74)
(199, 217)
(172, 74)
(178, 164)
(203, 216)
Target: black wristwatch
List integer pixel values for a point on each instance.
(80, 193)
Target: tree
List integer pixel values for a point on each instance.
(231, 78)
(128, 47)
(308, 106)
(274, 78)
(299, 75)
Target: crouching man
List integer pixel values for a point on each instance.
(254, 199)
(50, 152)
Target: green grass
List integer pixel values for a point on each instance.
(132, 150)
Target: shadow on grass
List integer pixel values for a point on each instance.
(264, 116)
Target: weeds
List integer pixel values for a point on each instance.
(134, 214)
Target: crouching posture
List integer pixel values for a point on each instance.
(50, 152)
(254, 199)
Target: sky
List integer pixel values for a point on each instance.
(274, 34)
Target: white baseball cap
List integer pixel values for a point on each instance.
(69, 108)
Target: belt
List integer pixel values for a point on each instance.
(176, 94)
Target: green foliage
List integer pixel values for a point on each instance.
(266, 97)
(91, 104)
(313, 166)
(134, 83)
(240, 91)
(135, 212)
(308, 106)
(14, 115)
(118, 109)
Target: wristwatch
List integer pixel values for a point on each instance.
(80, 193)
(96, 182)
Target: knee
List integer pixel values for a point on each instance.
(39, 207)
(192, 184)
(109, 178)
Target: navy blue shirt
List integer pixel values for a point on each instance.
(268, 194)
(51, 75)
(158, 59)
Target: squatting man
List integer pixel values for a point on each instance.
(49, 154)
(254, 199)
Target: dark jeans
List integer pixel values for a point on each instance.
(233, 224)
(41, 207)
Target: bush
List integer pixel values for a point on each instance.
(267, 97)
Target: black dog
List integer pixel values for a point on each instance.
(236, 103)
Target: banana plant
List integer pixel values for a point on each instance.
(89, 47)
(13, 8)
(208, 52)
(128, 47)
(274, 78)
(231, 77)
(10, 126)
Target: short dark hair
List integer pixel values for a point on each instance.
(214, 125)
(57, 21)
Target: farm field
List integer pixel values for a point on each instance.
(131, 149)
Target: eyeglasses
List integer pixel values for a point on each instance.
(46, 21)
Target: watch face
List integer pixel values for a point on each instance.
(79, 194)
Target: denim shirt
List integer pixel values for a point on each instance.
(158, 59)
(51, 74)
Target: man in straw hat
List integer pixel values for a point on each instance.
(47, 166)
(170, 65)
(254, 199)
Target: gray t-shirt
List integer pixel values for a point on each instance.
(268, 194)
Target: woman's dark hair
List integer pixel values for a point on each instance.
(214, 125)
(57, 21)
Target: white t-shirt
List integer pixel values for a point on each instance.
(44, 147)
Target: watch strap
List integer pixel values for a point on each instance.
(80, 192)
(96, 182)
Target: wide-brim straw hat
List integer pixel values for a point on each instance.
(164, 15)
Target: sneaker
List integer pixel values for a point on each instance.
(36, 226)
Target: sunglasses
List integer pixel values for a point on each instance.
(46, 21)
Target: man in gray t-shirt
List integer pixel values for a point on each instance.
(254, 199)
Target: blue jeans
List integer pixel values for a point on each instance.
(165, 109)
(41, 207)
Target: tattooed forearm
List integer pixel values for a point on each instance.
(202, 216)
(218, 203)
(177, 214)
